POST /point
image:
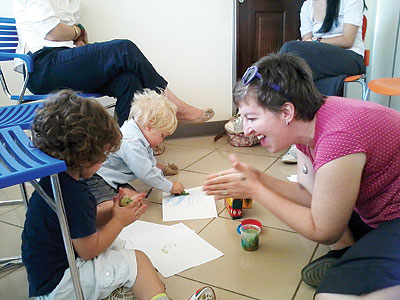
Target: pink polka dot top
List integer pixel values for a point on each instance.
(345, 126)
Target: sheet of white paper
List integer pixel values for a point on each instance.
(292, 178)
(175, 249)
(196, 205)
(139, 227)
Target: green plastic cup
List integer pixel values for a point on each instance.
(249, 234)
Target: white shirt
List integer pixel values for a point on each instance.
(36, 18)
(350, 12)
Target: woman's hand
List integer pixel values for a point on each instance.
(82, 40)
(84, 37)
(131, 212)
(239, 182)
(79, 42)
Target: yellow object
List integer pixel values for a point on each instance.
(158, 296)
(229, 201)
(125, 201)
(247, 203)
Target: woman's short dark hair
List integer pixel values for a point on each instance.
(284, 78)
(75, 129)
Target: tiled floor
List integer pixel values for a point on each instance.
(270, 273)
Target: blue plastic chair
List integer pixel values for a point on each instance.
(18, 115)
(8, 46)
(22, 116)
(21, 162)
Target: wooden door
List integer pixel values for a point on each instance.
(262, 28)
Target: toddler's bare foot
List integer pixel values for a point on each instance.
(170, 170)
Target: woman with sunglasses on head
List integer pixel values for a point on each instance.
(348, 195)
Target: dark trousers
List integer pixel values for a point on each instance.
(329, 64)
(116, 68)
(371, 264)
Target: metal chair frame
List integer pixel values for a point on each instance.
(362, 78)
(21, 162)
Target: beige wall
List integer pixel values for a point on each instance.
(190, 43)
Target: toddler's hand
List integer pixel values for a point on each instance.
(177, 188)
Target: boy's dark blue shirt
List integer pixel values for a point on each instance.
(43, 252)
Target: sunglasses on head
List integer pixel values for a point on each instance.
(251, 73)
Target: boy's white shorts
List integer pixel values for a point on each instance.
(99, 276)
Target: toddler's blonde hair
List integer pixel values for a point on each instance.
(154, 110)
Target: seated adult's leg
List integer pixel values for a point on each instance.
(390, 293)
(370, 265)
(326, 60)
(90, 67)
(135, 62)
(314, 272)
(331, 86)
(93, 67)
(123, 87)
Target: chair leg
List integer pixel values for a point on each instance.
(11, 202)
(367, 91)
(66, 235)
(24, 194)
(10, 262)
(24, 199)
(364, 87)
(13, 261)
(219, 135)
(364, 93)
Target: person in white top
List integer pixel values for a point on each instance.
(331, 42)
(49, 31)
(332, 45)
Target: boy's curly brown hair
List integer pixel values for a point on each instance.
(75, 129)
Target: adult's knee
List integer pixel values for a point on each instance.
(290, 47)
(128, 46)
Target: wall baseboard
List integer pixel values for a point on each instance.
(193, 130)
